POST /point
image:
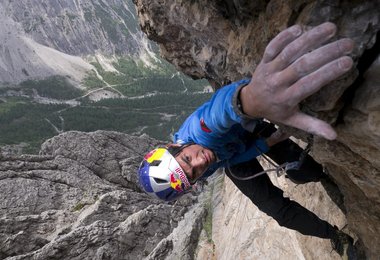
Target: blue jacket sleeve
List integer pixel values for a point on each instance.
(214, 119)
(220, 113)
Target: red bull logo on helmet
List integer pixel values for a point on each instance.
(175, 183)
(178, 180)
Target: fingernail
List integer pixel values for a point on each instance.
(330, 28)
(346, 63)
(331, 136)
(296, 30)
(347, 45)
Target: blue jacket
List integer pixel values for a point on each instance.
(220, 125)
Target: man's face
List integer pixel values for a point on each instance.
(194, 160)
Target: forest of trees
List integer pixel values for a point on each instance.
(23, 120)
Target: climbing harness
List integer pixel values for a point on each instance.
(279, 169)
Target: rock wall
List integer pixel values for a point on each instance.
(223, 41)
(254, 235)
(79, 199)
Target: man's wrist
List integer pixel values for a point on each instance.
(237, 103)
(249, 103)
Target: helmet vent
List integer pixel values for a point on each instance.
(157, 180)
(155, 163)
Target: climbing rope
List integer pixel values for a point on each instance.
(279, 169)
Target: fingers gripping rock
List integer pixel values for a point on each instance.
(295, 65)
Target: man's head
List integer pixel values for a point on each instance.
(167, 173)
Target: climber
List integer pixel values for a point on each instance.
(229, 132)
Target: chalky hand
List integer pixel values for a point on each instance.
(295, 65)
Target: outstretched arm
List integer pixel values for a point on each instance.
(295, 65)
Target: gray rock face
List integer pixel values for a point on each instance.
(223, 41)
(242, 231)
(79, 200)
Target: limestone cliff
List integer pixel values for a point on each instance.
(223, 41)
(79, 199)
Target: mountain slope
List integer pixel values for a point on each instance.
(45, 38)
